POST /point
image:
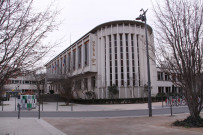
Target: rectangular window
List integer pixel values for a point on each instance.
(79, 56)
(61, 65)
(93, 82)
(180, 90)
(17, 81)
(116, 63)
(64, 64)
(168, 90)
(109, 40)
(86, 53)
(167, 77)
(116, 82)
(126, 39)
(132, 42)
(57, 67)
(160, 76)
(74, 59)
(27, 82)
(85, 83)
(160, 89)
(174, 89)
(121, 40)
(121, 55)
(69, 62)
(122, 82)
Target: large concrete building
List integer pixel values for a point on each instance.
(111, 53)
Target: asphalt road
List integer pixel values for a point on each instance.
(96, 114)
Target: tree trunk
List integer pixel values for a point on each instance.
(194, 109)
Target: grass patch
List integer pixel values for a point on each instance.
(189, 122)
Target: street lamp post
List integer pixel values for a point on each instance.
(143, 18)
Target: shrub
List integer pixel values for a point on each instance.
(116, 101)
(190, 122)
(113, 90)
(90, 94)
(51, 91)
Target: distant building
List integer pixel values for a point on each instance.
(164, 83)
(111, 53)
(21, 84)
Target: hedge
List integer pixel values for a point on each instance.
(117, 101)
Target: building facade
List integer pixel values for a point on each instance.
(164, 84)
(111, 53)
(22, 84)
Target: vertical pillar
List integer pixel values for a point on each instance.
(119, 61)
(107, 65)
(124, 63)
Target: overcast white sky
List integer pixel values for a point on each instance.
(80, 16)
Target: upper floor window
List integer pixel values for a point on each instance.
(160, 76)
(79, 56)
(64, 64)
(167, 78)
(69, 62)
(93, 82)
(74, 59)
(86, 53)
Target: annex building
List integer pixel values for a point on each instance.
(111, 53)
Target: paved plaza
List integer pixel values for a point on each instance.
(156, 125)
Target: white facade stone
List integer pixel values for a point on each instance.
(104, 55)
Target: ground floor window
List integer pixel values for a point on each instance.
(93, 82)
(160, 89)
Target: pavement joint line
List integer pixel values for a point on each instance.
(51, 129)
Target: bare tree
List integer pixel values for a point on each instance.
(39, 79)
(66, 89)
(21, 34)
(179, 53)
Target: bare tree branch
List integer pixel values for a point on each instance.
(21, 35)
(179, 33)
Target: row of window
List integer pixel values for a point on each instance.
(21, 82)
(123, 63)
(67, 63)
(163, 76)
(169, 90)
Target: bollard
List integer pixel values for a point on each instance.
(56, 102)
(171, 107)
(18, 111)
(71, 107)
(2, 103)
(15, 102)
